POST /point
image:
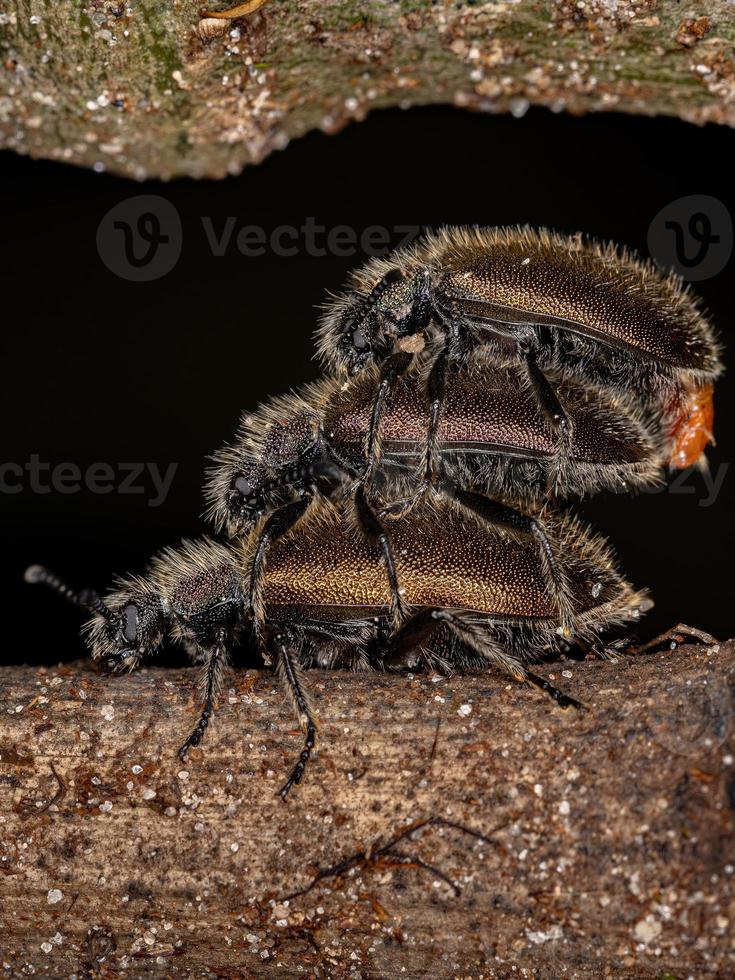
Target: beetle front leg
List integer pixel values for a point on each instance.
(279, 523)
(215, 665)
(391, 370)
(432, 467)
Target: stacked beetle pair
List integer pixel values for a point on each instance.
(402, 511)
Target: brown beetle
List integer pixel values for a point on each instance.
(546, 301)
(477, 596)
(498, 457)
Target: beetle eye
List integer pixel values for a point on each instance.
(243, 486)
(391, 278)
(130, 617)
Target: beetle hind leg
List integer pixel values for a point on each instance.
(476, 635)
(562, 699)
(498, 514)
(551, 407)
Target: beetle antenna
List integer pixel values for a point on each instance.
(86, 598)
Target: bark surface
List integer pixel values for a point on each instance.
(147, 88)
(609, 836)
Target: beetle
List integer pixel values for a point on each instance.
(535, 298)
(497, 457)
(477, 596)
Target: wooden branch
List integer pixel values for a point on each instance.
(609, 843)
(147, 89)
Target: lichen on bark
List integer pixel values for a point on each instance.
(139, 88)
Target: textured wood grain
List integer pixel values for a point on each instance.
(611, 837)
(145, 89)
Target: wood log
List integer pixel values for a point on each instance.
(150, 89)
(607, 837)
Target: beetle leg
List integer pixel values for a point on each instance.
(279, 523)
(215, 664)
(562, 699)
(284, 645)
(546, 397)
(436, 391)
(552, 408)
(432, 466)
(413, 633)
(498, 514)
(419, 628)
(375, 532)
(390, 371)
(344, 465)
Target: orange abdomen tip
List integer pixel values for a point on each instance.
(692, 431)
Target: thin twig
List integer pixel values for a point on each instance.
(32, 805)
(377, 855)
(677, 634)
(241, 10)
(432, 754)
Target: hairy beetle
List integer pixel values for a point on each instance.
(496, 457)
(543, 300)
(477, 597)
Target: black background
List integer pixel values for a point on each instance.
(99, 369)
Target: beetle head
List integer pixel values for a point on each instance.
(132, 627)
(246, 499)
(373, 326)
